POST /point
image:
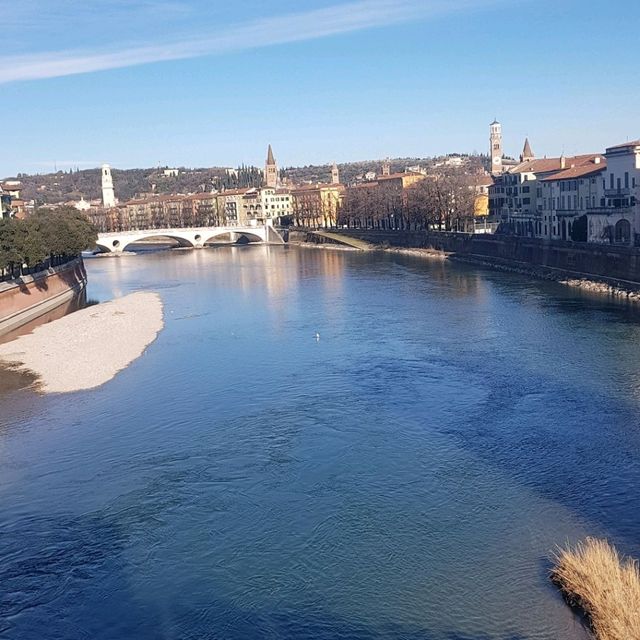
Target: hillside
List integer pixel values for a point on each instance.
(53, 188)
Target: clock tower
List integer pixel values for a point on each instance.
(496, 148)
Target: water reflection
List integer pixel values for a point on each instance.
(404, 476)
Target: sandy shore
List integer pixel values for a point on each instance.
(89, 347)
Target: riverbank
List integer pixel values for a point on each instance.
(89, 347)
(29, 297)
(605, 586)
(603, 269)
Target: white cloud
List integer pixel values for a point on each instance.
(319, 23)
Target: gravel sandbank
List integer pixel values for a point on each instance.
(89, 347)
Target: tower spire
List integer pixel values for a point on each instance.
(527, 154)
(271, 170)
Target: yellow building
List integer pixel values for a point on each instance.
(317, 205)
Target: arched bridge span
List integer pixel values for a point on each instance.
(118, 241)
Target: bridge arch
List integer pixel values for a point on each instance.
(250, 237)
(122, 243)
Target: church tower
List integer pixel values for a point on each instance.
(496, 148)
(335, 174)
(108, 194)
(527, 153)
(271, 170)
(386, 167)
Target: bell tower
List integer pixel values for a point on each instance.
(108, 194)
(271, 170)
(335, 174)
(496, 148)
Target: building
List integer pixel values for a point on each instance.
(317, 205)
(513, 198)
(231, 206)
(267, 205)
(108, 194)
(11, 203)
(271, 170)
(565, 197)
(615, 217)
(399, 181)
(13, 188)
(82, 205)
(5, 204)
(481, 185)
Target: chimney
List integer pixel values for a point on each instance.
(563, 162)
(597, 160)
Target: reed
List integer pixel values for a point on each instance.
(605, 585)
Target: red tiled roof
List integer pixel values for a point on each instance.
(545, 165)
(577, 172)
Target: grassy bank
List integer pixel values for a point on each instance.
(606, 586)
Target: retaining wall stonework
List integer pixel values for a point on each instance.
(614, 265)
(24, 299)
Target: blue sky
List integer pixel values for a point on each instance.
(203, 82)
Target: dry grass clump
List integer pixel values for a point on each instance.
(594, 577)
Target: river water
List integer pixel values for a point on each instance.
(405, 475)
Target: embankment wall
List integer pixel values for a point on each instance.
(24, 299)
(614, 265)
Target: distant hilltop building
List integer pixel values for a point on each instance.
(271, 170)
(108, 194)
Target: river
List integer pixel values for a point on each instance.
(324, 444)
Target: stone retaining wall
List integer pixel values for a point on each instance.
(611, 264)
(24, 299)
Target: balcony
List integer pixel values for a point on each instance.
(617, 193)
(610, 211)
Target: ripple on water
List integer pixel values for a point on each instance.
(405, 477)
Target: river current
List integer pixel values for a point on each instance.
(327, 445)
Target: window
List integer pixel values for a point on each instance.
(611, 180)
(626, 179)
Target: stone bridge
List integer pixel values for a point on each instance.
(118, 241)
